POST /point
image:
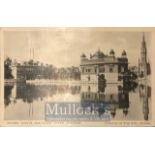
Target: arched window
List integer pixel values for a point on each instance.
(111, 66)
(89, 88)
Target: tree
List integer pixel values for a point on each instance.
(30, 62)
(7, 68)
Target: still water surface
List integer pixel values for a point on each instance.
(27, 101)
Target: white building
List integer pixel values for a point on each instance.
(101, 67)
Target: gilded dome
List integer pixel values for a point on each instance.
(112, 52)
(124, 53)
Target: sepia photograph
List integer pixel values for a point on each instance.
(77, 75)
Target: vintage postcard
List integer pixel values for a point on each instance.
(77, 76)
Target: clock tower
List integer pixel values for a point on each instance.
(143, 59)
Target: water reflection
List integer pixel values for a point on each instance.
(121, 102)
(7, 94)
(29, 93)
(110, 97)
(145, 94)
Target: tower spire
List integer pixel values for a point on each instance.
(143, 48)
(143, 37)
(33, 53)
(30, 53)
(143, 58)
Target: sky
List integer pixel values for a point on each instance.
(62, 47)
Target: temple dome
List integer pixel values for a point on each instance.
(83, 56)
(112, 52)
(124, 53)
(99, 54)
(125, 112)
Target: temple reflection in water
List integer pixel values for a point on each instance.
(111, 96)
(118, 101)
